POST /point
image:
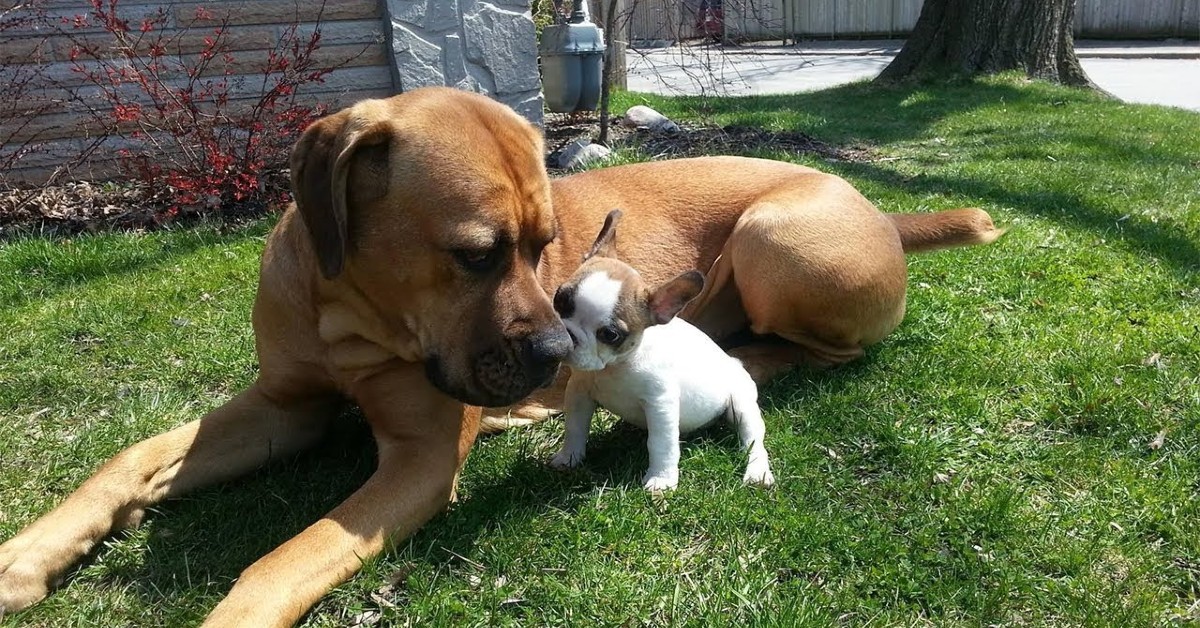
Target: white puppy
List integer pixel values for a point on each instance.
(635, 359)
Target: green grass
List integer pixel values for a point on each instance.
(987, 464)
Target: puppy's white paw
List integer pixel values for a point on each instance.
(660, 482)
(566, 459)
(758, 473)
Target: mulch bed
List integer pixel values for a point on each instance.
(694, 140)
(81, 206)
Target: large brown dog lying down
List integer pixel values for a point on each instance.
(412, 277)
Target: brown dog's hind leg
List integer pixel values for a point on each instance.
(768, 358)
(237, 437)
(827, 274)
(718, 310)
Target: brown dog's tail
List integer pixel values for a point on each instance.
(945, 229)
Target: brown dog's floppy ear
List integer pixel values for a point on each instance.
(320, 165)
(604, 244)
(666, 300)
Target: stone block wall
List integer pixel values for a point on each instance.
(478, 45)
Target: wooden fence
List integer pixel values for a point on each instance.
(352, 40)
(673, 20)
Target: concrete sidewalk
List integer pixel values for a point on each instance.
(1085, 49)
(1164, 73)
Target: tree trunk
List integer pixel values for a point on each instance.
(606, 73)
(986, 36)
(616, 35)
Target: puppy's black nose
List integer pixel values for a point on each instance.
(545, 349)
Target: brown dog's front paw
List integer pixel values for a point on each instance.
(23, 581)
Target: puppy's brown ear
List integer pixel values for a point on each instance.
(666, 300)
(320, 166)
(605, 244)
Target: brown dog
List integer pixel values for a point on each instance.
(412, 277)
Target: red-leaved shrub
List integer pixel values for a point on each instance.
(174, 119)
(198, 126)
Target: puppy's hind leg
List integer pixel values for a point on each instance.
(746, 417)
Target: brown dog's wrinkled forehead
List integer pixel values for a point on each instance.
(432, 166)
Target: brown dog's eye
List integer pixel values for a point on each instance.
(610, 336)
(477, 261)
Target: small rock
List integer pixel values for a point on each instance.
(1159, 440)
(643, 117)
(587, 155)
(568, 152)
(1155, 360)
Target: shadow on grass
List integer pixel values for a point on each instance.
(209, 536)
(1163, 240)
(863, 112)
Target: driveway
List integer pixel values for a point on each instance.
(1141, 72)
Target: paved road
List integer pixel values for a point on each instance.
(1134, 73)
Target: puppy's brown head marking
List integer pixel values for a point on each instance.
(434, 207)
(606, 305)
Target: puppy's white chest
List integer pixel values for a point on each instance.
(676, 370)
(622, 395)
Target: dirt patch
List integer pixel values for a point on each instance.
(694, 140)
(83, 206)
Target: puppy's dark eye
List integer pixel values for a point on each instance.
(610, 336)
(477, 260)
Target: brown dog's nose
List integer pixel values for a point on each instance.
(545, 349)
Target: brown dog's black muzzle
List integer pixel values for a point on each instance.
(510, 372)
(543, 352)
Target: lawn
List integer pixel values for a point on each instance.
(994, 461)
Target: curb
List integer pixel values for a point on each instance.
(1171, 51)
(1082, 54)
(1149, 54)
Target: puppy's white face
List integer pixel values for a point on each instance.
(605, 306)
(602, 312)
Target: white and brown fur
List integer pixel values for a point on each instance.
(635, 358)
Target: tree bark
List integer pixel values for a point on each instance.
(606, 72)
(616, 35)
(986, 36)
